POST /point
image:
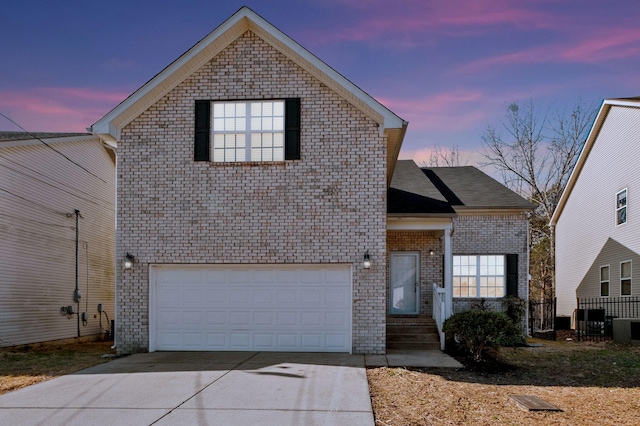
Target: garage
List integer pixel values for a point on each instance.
(296, 308)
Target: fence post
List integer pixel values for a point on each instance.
(554, 318)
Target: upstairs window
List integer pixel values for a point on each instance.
(625, 278)
(604, 281)
(240, 131)
(621, 207)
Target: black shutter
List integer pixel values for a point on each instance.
(292, 129)
(202, 131)
(512, 274)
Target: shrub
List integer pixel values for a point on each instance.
(479, 329)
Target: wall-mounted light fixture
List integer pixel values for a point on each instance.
(128, 261)
(367, 261)
(431, 252)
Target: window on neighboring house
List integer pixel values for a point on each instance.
(604, 281)
(240, 131)
(621, 207)
(479, 276)
(625, 278)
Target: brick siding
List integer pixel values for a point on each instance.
(492, 234)
(328, 207)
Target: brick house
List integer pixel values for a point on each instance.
(254, 183)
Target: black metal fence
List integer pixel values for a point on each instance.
(594, 317)
(542, 319)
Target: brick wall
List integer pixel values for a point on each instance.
(492, 234)
(328, 207)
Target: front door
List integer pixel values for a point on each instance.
(404, 289)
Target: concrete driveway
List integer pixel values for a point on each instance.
(201, 388)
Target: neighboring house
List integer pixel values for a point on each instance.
(253, 188)
(40, 190)
(596, 221)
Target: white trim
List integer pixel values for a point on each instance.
(448, 273)
(630, 278)
(419, 224)
(607, 281)
(626, 205)
(152, 304)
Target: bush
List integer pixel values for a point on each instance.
(479, 329)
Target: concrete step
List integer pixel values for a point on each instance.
(411, 329)
(413, 337)
(434, 346)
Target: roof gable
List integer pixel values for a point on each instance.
(245, 19)
(606, 106)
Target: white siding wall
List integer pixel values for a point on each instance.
(588, 218)
(38, 188)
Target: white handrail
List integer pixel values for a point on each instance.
(439, 296)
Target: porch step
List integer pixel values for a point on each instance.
(416, 337)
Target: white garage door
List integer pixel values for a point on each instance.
(251, 308)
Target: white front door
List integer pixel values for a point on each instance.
(404, 288)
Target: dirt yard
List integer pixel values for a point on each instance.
(26, 365)
(593, 383)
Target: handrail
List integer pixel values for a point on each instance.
(439, 297)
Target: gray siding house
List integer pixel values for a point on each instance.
(597, 233)
(40, 190)
(261, 206)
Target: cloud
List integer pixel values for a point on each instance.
(416, 21)
(615, 44)
(56, 109)
(447, 111)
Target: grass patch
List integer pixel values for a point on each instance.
(26, 365)
(594, 383)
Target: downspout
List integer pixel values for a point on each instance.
(76, 294)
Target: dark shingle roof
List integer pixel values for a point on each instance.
(469, 188)
(412, 192)
(24, 136)
(442, 191)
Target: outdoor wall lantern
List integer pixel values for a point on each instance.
(431, 252)
(367, 261)
(128, 261)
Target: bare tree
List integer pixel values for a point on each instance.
(445, 157)
(536, 156)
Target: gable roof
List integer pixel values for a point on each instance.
(109, 126)
(446, 191)
(606, 106)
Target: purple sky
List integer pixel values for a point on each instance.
(450, 67)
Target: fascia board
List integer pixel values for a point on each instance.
(588, 145)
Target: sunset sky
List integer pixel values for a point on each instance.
(450, 68)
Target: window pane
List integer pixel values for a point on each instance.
(625, 270)
(625, 287)
(256, 123)
(256, 109)
(278, 123)
(278, 109)
(218, 110)
(278, 154)
(218, 124)
(267, 123)
(278, 139)
(604, 289)
(267, 108)
(604, 273)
